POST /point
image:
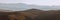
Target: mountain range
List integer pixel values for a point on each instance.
(22, 6)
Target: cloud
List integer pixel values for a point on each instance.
(38, 2)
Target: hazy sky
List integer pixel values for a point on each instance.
(38, 2)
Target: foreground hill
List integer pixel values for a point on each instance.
(32, 14)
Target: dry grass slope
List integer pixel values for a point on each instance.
(32, 14)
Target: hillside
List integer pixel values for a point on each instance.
(3, 10)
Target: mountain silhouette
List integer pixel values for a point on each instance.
(22, 6)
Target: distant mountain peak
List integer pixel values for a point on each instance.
(33, 10)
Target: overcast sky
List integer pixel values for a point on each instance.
(38, 2)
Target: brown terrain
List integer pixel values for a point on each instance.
(30, 14)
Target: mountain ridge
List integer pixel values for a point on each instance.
(23, 6)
